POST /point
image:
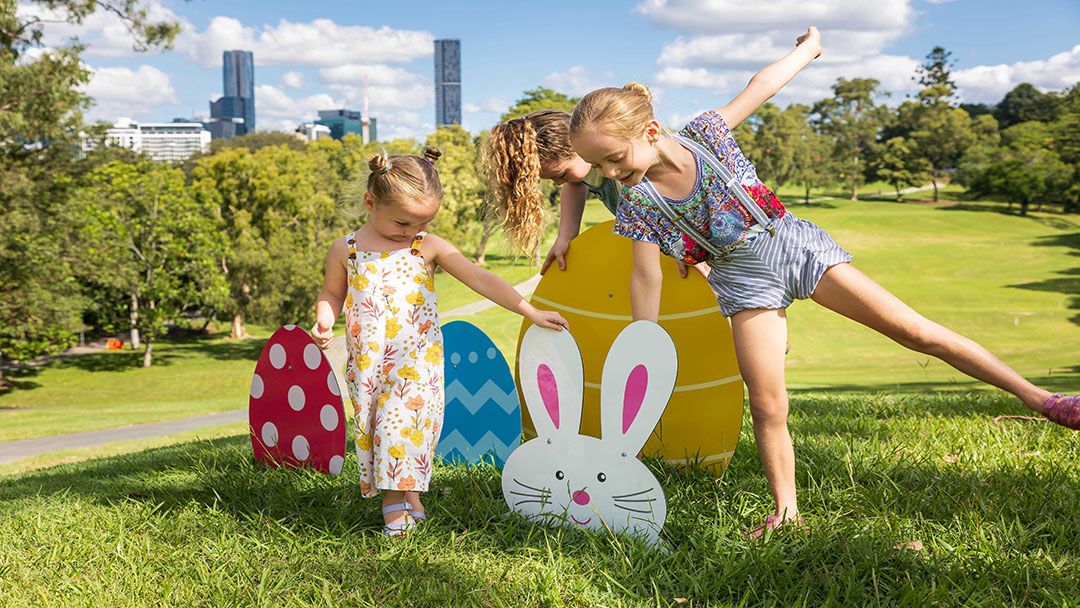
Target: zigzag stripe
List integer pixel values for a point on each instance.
(488, 419)
(473, 401)
(454, 445)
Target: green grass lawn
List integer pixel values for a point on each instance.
(909, 500)
(913, 494)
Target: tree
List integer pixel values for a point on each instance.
(153, 246)
(540, 98)
(279, 216)
(772, 147)
(899, 164)
(41, 107)
(940, 133)
(1026, 103)
(460, 216)
(852, 120)
(1024, 168)
(259, 139)
(934, 71)
(1066, 132)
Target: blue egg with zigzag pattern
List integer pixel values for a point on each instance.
(482, 421)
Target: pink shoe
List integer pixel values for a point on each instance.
(1064, 410)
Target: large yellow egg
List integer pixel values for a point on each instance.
(702, 420)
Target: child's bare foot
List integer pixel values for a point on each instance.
(772, 522)
(416, 507)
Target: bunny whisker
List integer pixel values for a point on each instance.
(545, 495)
(525, 502)
(633, 510)
(632, 494)
(635, 500)
(650, 522)
(532, 488)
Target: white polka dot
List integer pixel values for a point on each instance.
(336, 462)
(296, 397)
(257, 386)
(312, 356)
(300, 448)
(269, 434)
(290, 327)
(455, 358)
(329, 417)
(331, 383)
(277, 356)
(492, 352)
(473, 357)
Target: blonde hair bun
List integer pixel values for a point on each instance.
(432, 154)
(380, 163)
(637, 87)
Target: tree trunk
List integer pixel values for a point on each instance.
(485, 236)
(899, 195)
(4, 384)
(806, 194)
(1024, 208)
(934, 180)
(134, 322)
(146, 358)
(238, 326)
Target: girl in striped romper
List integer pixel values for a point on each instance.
(682, 199)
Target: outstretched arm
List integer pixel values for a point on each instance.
(487, 283)
(772, 78)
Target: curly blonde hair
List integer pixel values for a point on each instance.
(512, 157)
(405, 176)
(616, 112)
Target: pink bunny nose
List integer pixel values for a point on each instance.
(581, 497)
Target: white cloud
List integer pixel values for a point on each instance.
(491, 104)
(470, 108)
(577, 80)
(293, 80)
(989, 83)
(724, 16)
(321, 42)
(126, 92)
(275, 107)
(753, 50)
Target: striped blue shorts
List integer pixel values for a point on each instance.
(774, 271)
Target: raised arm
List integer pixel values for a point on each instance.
(772, 78)
(332, 296)
(572, 197)
(486, 283)
(645, 282)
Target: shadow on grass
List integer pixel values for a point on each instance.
(1059, 379)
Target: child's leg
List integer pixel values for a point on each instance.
(848, 291)
(760, 340)
(414, 500)
(394, 497)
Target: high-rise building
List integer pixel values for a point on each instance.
(234, 112)
(447, 82)
(161, 141)
(342, 122)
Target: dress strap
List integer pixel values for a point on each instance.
(417, 241)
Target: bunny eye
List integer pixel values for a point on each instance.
(601, 477)
(559, 475)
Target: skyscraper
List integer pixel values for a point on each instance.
(234, 112)
(447, 82)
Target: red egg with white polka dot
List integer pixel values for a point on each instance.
(295, 410)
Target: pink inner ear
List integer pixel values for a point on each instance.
(636, 384)
(549, 392)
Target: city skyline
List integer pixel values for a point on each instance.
(694, 54)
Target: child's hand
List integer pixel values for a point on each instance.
(812, 40)
(549, 319)
(557, 254)
(322, 334)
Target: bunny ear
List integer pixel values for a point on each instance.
(639, 375)
(549, 368)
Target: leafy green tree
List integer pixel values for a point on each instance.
(1026, 103)
(898, 163)
(257, 140)
(812, 162)
(540, 98)
(935, 71)
(460, 216)
(153, 246)
(852, 120)
(279, 217)
(1066, 132)
(940, 133)
(41, 106)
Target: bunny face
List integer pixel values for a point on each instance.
(580, 480)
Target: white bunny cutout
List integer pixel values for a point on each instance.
(576, 479)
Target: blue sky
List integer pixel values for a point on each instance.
(695, 54)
